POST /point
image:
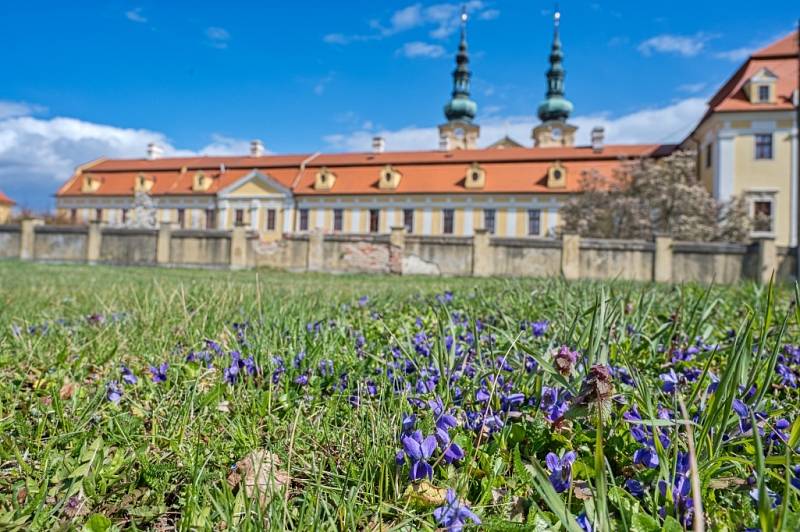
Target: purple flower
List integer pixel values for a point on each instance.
(302, 379)
(774, 498)
(113, 392)
(564, 359)
(453, 453)
(409, 421)
(634, 487)
(670, 381)
(159, 374)
(560, 470)
(646, 456)
(538, 328)
(419, 451)
(363, 300)
(127, 375)
(583, 522)
(741, 409)
(453, 515)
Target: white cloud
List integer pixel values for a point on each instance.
(322, 84)
(12, 109)
(735, 55)
(693, 88)
(135, 15)
(670, 123)
(684, 45)
(38, 154)
(442, 19)
(218, 37)
(421, 49)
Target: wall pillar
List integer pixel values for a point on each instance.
(397, 247)
(481, 262)
(662, 259)
(163, 243)
(239, 248)
(27, 239)
(94, 241)
(767, 260)
(315, 262)
(571, 256)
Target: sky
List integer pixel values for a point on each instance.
(88, 79)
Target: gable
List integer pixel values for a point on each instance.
(254, 185)
(253, 188)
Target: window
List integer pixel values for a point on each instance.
(271, 219)
(304, 219)
(238, 217)
(73, 216)
(124, 216)
(762, 216)
(488, 220)
(338, 220)
(98, 215)
(447, 222)
(764, 146)
(374, 220)
(534, 221)
(211, 219)
(408, 220)
(709, 154)
(763, 93)
(181, 218)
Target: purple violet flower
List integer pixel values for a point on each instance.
(127, 375)
(560, 470)
(159, 374)
(453, 515)
(419, 451)
(113, 392)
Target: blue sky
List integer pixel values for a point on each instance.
(89, 79)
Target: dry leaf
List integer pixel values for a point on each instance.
(260, 473)
(224, 406)
(22, 494)
(581, 490)
(726, 482)
(425, 494)
(67, 391)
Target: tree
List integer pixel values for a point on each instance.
(654, 196)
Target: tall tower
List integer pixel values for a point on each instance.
(555, 109)
(459, 132)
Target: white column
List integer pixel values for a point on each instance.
(288, 216)
(795, 140)
(724, 169)
(254, 215)
(511, 222)
(319, 219)
(387, 226)
(427, 221)
(355, 220)
(552, 214)
(222, 219)
(468, 216)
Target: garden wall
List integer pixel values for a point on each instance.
(482, 255)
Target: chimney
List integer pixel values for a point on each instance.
(154, 151)
(598, 136)
(378, 144)
(444, 142)
(256, 148)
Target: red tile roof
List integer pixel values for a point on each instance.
(5, 200)
(780, 58)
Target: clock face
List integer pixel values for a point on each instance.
(556, 132)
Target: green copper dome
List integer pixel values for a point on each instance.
(461, 108)
(555, 106)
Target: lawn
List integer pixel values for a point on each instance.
(176, 399)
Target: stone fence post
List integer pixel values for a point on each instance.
(163, 243)
(239, 248)
(27, 238)
(481, 261)
(314, 260)
(397, 247)
(662, 259)
(93, 241)
(767, 263)
(571, 256)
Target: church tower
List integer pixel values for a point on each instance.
(554, 131)
(459, 132)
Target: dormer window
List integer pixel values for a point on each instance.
(90, 183)
(476, 177)
(389, 177)
(557, 176)
(324, 179)
(763, 93)
(760, 88)
(142, 183)
(201, 182)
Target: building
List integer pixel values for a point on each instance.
(508, 189)
(6, 204)
(747, 141)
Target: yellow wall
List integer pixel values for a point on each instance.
(5, 213)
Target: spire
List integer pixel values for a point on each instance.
(461, 107)
(555, 107)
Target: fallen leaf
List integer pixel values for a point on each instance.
(726, 482)
(425, 494)
(581, 490)
(67, 391)
(224, 406)
(22, 494)
(261, 475)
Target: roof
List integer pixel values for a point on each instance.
(780, 59)
(510, 170)
(5, 200)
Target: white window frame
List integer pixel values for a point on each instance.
(762, 195)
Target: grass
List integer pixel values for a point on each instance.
(303, 445)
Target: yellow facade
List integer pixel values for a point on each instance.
(5, 213)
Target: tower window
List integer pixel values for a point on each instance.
(447, 221)
(271, 219)
(374, 220)
(489, 220)
(304, 219)
(763, 93)
(408, 220)
(534, 222)
(338, 219)
(764, 146)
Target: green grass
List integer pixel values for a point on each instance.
(162, 455)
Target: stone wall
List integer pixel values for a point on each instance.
(397, 253)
